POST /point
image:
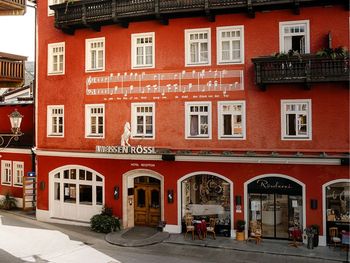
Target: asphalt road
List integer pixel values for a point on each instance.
(159, 253)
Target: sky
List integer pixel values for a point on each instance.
(17, 34)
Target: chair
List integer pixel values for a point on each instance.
(189, 226)
(333, 236)
(255, 231)
(211, 227)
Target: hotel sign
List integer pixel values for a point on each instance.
(126, 149)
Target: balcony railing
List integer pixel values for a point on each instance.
(305, 69)
(11, 70)
(12, 7)
(94, 13)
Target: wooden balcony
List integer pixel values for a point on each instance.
(12, 7)
(306, 69)
(11, 70)
(72, 15)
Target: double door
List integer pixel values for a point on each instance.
(147, 204)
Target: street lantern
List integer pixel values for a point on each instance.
(15, 120)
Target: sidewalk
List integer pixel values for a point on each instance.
(130, 237)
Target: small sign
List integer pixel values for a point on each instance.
(294, 203)
(238, 209)
(31, 174)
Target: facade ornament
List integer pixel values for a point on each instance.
(124, 140)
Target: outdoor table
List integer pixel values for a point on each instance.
(296, 234)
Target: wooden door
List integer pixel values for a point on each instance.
(147, 204)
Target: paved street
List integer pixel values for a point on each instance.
(48, 243)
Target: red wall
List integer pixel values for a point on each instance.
(330, 102)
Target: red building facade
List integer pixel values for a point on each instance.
(172, 113)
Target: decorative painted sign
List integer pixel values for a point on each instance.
(143, 85)
(277, 185)
(126, 149)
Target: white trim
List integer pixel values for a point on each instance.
(284, 136)
(323, 238)
(134, 120)
(246, 207)
(131, 175)
(16, 150)
(88, 67)
(50, 47)
(49, 114)
(220, 121)
(133, 50)
(88, 121)
(179, 196)
(239, 28)
(296, 22)
(188, 104)
(187, 47)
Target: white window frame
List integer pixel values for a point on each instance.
(6, 172)
(50, 116)
(88, 115)
(282, 35)
(188, 106)
(135, 45)
(88, 51)
(18, 173)
(50, 58)
(135, 114)
(221, 135)
(188, 41)
(308, 112)
(53, 2)
(220, 39)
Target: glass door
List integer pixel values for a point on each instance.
(281, 216)
(268, 215)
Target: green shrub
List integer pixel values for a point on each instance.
(104, 223)
(8, 202)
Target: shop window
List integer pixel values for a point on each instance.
(142, 48)
(70, 193)
(296, 119)
(198, 120)
(99, 194)
(57, 193)
(95, 54)
(197, 47)
(230, 45)
(55, 123)
(294, 35)
(85, 194)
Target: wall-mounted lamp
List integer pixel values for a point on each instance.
(15, 120)
(42, 185)
(116, 192)
(238, 200)
(170, 196)
(313, 203)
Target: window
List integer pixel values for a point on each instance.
(197, 46)
(6, 172)
(230, 45)
(55, 63)
(94, 121)
(231, 119)
(142, 50)
(18, 173)
(295, 35)
(142, 123)
(95, 54)
(55, 117)
(198, 120)
(54, 2)
(296, 119)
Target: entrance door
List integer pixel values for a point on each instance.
(147, 204)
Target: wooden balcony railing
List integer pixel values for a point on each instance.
(94, 13)
(305, 69)
(12, 7)
(11, 70)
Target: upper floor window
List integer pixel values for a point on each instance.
(55, 124)
(231, 119)
(142, 120)
(6, 172)
(197, 47)
(18, 173)
(230, 44)
(54, 2)
(142, 50)
(295, 35)
(296, 119)
(94, 121)
(198, 120)
(95, 54)
(55, 63)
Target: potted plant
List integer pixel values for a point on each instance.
(316, 231)
(240, 234)
(8, 202)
